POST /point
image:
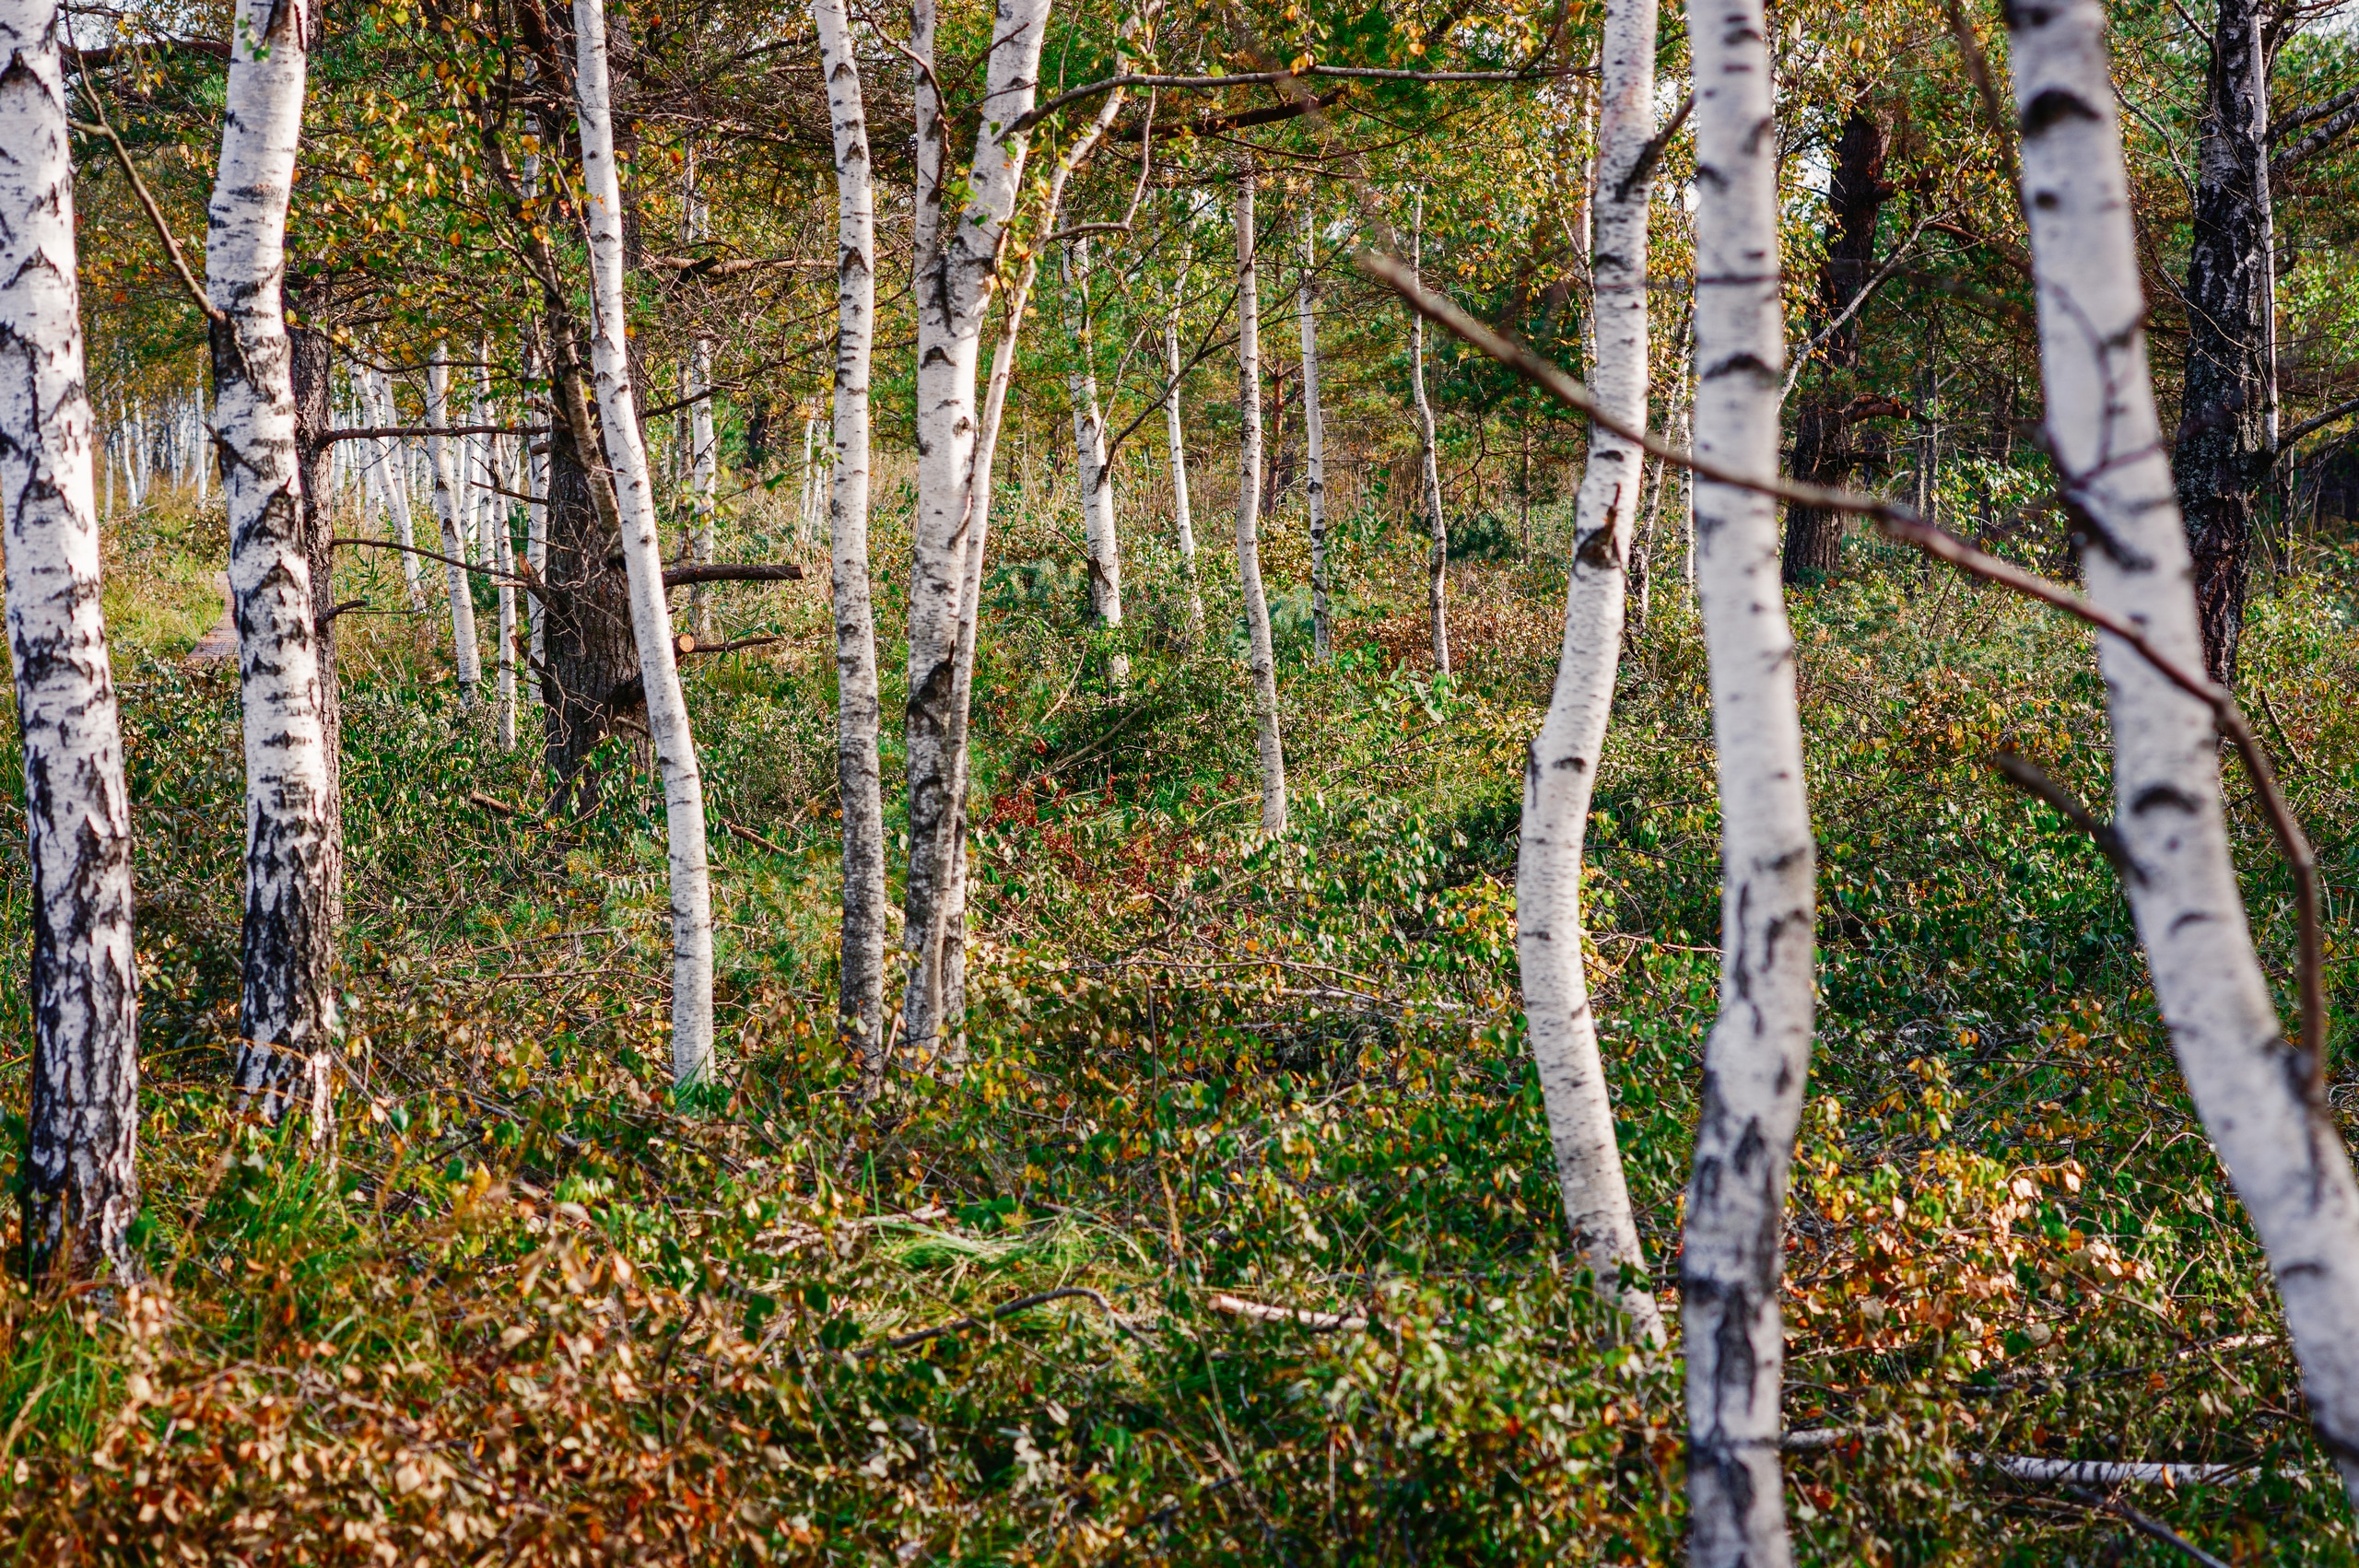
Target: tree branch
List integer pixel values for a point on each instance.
(105, 131)
(2317, 422)
(680, 576)
(1901, 525)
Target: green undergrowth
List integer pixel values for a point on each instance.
(1237, 1241)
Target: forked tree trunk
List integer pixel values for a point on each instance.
(80, 1176)
(287, 1011)
(1314, 430)
(957, 271)
(2224, 449)
(1262, 655)
(860, 1008)
(1096, 474)
(1429, 461)
(1175, 438)
(2281, 1149)
(1561, 771)
(1757, 1058)
(642, 546)
(466, 659)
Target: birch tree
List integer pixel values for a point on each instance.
(861, 993)
(286, 1008)
(466, 658)
(1757, 1057)
(499, 553)
(1314, 430)
(81, 1181)
(2280, 1144)
(955, 270)
(1261, 655)
(1560, 772)
(1096, 474)
(392, 474)
(667, 709)
(1176, 442)
(1429, 458)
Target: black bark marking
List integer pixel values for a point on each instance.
(2052, 108)
(2157, 797)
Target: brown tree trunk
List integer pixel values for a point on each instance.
(1824, 453)
(590, 677)
(314, 368)
(2223, 450)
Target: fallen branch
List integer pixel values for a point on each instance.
(679, 576)
(391, 432)
(750, 836)
(1261, 1312)
(1021, 1304)
(2145, 1523)
(743, 642)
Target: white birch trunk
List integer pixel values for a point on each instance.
(393, 480)
(497, 554)
(1561, 771)
(1757, 1058)
(2283, 1151)
(954, 289)
(1095, 475)
(1437, 554)
(1175, 437)
(465, 657)
(80, 1176)
(536, 524)
(1314, 430)
(1263, 657)
(704, 479)
(860, 1010)
(642, 546)
(207, 453)
(287, 1013)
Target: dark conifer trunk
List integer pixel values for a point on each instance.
(1824, 453)
(2222, 453)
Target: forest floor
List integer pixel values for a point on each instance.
(1237, 1241)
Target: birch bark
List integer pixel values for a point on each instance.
(954, 289)
(1314, 430)
(1175, 437)
(498, 552)
(667, 709)
(1095, 475)
(81, 1180)
(860, 1006)
(465, 657)
(1262, 656)
(393, 478)
(1561, 770)
(2282, 1152)
(951, 939)
(1759, 1056)
(1429, 459)
(286, 1013)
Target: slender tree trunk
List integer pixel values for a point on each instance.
(536, 525)
(704, 456)
(393, 475)
(1175, 436)
(466, 658)
(209, 454)
(956, 270)
(1096, 474)
(1825, 450)
(667, 709)
(499, 552)
(1429, 460)
(80, 1176)
(1757, 1058)
(1561, 770)
(1262, 656)
(1314, 427)
(311, 361)
(287, 1013)
(860, 996)
(2224, 446)
(2281, 1149)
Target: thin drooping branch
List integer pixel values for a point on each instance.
(1270, 78)
(1901, 523)
(104, 129)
